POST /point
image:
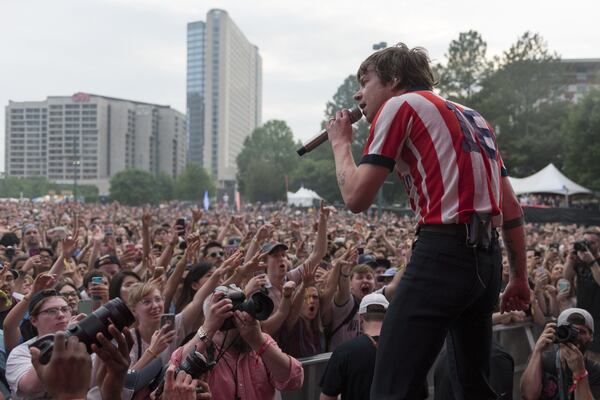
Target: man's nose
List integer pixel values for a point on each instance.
(357, 96)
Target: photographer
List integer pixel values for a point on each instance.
(249, 364)
(583, 263)
(563, 372)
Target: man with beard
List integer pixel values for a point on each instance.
(249, 364)
(563, 372)
(31, 240)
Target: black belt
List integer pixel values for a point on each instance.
(446, 229)
(477, 236)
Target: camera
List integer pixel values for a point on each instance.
(259, 306)
(195, 364)
(566, 334)
(114, 312)
(581, 245)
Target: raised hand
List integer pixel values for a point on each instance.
(69, 245)
(68, 374)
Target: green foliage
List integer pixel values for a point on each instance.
(192, 183)
(33, 187)
(466, 67)
(318, 175)
(268, 155)
(165, 186)
(521, 99)
(134, 187)
(581, 137)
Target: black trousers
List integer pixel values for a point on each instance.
(448, 291)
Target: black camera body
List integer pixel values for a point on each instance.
(566, 334)
(114, 312)
(195, 364)
(259, 306)
(581, 245)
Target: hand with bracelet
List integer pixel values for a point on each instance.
(161, 340)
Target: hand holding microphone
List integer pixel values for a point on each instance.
(355, 115)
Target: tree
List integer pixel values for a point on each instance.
(460, 78)
(522, 99)
(192, 183)
(165, 186)
(582, 147)
(134, 187)
(318, 175)
(273, 145)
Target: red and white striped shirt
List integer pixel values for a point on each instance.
(445, 154)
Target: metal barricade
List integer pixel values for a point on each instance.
(517, 339)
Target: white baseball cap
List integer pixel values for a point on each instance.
(563, 318)
(372, 299)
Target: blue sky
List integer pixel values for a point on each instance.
(135, 49)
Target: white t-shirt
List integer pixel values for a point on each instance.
(17, 365)
(19, 362)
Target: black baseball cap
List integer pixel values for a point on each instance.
(39, 296)
(270, 248)
(106, 259)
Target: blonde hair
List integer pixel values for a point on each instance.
(138, 291)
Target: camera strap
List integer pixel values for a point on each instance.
(138, 338)
(559, 372)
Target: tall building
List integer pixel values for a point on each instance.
(91, 138)
(224, 92)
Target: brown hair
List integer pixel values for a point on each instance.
(361, 269)
(409, 68)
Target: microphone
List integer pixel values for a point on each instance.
(355, 115)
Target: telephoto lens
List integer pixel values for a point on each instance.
(259, 306)
(114, 312)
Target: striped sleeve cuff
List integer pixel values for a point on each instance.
(378, 160)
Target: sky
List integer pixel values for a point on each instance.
(136, 49)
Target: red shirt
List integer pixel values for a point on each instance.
(445, 154)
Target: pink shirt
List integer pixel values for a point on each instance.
(254, 380)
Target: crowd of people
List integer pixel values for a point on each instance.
(245, 294)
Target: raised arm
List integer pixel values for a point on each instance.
(67, 247)
(146, 221)
(175, 278)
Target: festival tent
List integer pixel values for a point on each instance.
(302, 198)
(548, 180)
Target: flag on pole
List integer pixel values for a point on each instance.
(206, 201)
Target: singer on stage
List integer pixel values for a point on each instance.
(447, 157)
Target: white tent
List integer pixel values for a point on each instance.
(302, 198)
(548, 180)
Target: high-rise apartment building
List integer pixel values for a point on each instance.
(92, 138)
(224, 92)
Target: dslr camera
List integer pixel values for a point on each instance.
(566, 334)
(581, 245)
(258, 305)
(114, 312)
